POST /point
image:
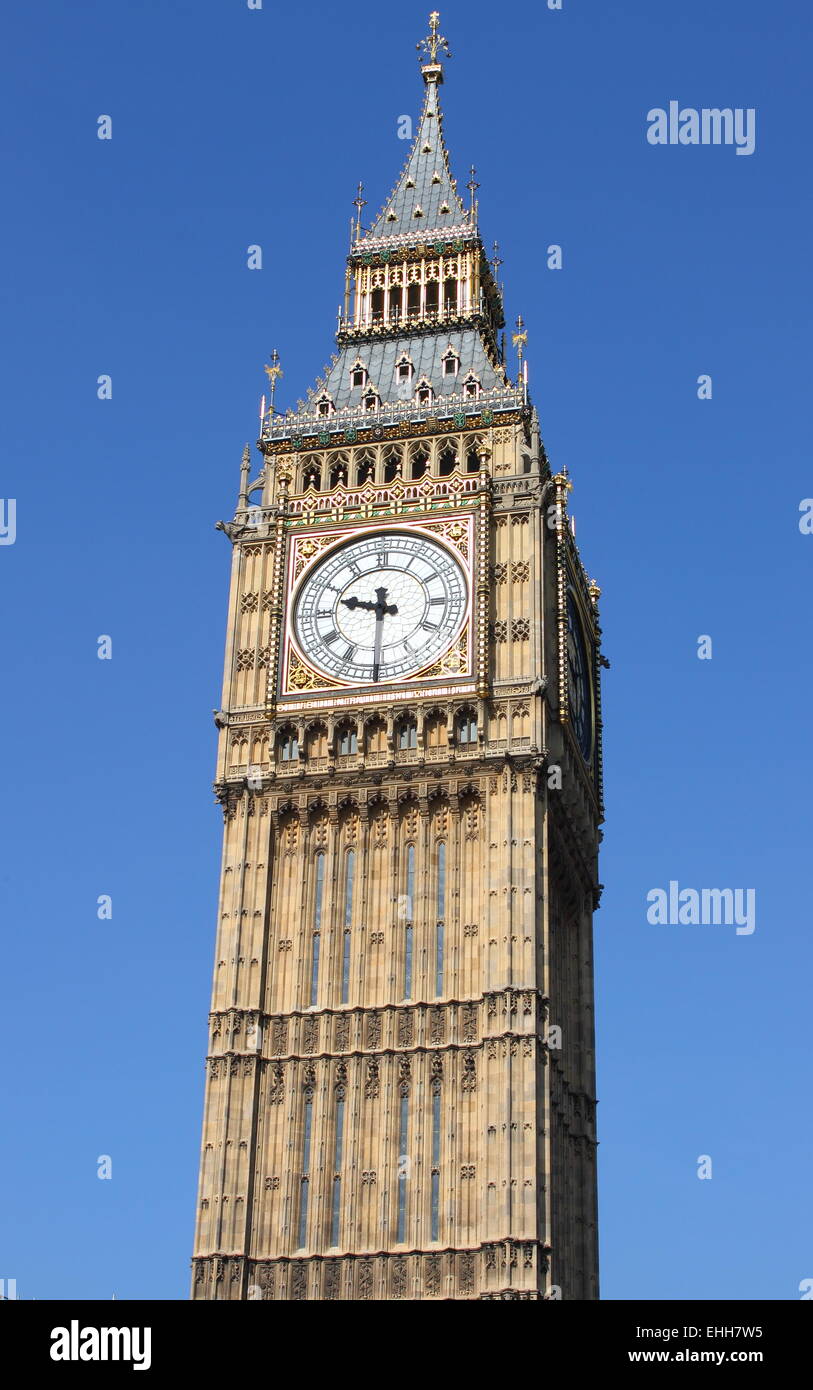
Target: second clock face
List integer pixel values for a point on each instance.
(580, 698)
(380, 608)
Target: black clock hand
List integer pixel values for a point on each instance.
(380, 608)
(371, 607)
(379, 637)
(381, 595)
(357, 603)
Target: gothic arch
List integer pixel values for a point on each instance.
(316, 736)
(375, 734)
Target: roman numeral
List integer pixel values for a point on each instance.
(331, 636)
(430, 627)
(434, 601)
(350, 653)
(383, 559)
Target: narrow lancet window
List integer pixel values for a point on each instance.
(403, 1121)
(435, 1215)
(337, 1172)
(409, 920)
(305, 1179)
(349, 879)
(440, 918)
(317, 926)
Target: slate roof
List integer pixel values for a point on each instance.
(426, 351)
(425, 185)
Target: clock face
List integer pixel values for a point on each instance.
(381, 608)
(579, 687)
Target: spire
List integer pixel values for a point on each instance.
(425, 200)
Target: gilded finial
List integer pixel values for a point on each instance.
(434, 40)
(359, 202)
(274, 372)
(519, 339)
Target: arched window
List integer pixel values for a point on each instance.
(376, 737)
(287, 746)
(435, 731)
(447, 461)
(365, 469)
(407, 734)
(316, 742)
(348, 741)
(467, 727)
(420, 463)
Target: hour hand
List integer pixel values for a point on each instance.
(357, 603)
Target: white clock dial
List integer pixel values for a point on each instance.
(380, 608)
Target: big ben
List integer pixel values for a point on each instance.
(400, 1095)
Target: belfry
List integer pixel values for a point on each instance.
(400, 1096)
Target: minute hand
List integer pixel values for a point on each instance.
(380, 608)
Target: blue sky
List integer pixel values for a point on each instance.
(128, 257)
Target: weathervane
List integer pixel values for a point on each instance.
(434, 41)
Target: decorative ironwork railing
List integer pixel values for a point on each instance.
(415, 237)
(329, 428)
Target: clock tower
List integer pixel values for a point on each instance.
(400, 1096)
